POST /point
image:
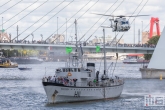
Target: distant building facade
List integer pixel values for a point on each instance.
(57, 38)
(108, 40)
(4, 37)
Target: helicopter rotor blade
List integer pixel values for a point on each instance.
(103, 14)
(136, 15)
(120, 15)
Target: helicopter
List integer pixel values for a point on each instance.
(120, 23)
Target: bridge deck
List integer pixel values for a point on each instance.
(61, 48)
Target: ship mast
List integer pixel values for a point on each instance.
(104, 58)
(104, 51)
(77, 43)
(76, 34)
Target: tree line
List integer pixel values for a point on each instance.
(20, 53)
(154, 40)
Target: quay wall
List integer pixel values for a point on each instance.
(150, 73)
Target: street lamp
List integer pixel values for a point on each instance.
(41, 37)
(10, 37)
(32, 37)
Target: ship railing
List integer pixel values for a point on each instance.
(116, 82)
(104, 83)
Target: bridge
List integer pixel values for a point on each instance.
(88, 48)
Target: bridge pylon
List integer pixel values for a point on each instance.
(152, 22)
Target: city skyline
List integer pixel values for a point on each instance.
(152, 8)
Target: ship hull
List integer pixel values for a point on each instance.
(136, 62)
(60, 94)
(25, 68)
(11, 66)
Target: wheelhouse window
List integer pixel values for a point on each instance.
(59, 70)
(75, 69)
(63, 69)
(71, 69)
(78, 69)
(67, 69)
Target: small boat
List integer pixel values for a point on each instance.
(6, 63)
(25, 68)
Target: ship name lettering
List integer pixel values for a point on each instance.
(77, 93)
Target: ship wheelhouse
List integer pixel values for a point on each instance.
(82, 75)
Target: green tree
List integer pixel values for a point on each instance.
(154, 40)
(19, 53)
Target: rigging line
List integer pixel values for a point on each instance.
(80, 16)
(87, 10)
(145, 27)
(80, 30)
(105, 20)
(26, 15)
(53, 15)
(124, 32)
(11, 6)
(115, 61)
(44, 16)
(5, 3)
(119, 40)
(99, 19)
(111, 68)
(122, 36)
(101, 62)
(140, 11)
(70, 34)
(21, 11)
(70, 18)
(136, 9)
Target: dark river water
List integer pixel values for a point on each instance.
(22, 90)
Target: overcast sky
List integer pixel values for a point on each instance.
(15, 12)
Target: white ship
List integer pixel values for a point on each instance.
(135, 59)
(76, 82)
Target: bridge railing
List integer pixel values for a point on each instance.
(84, 44)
